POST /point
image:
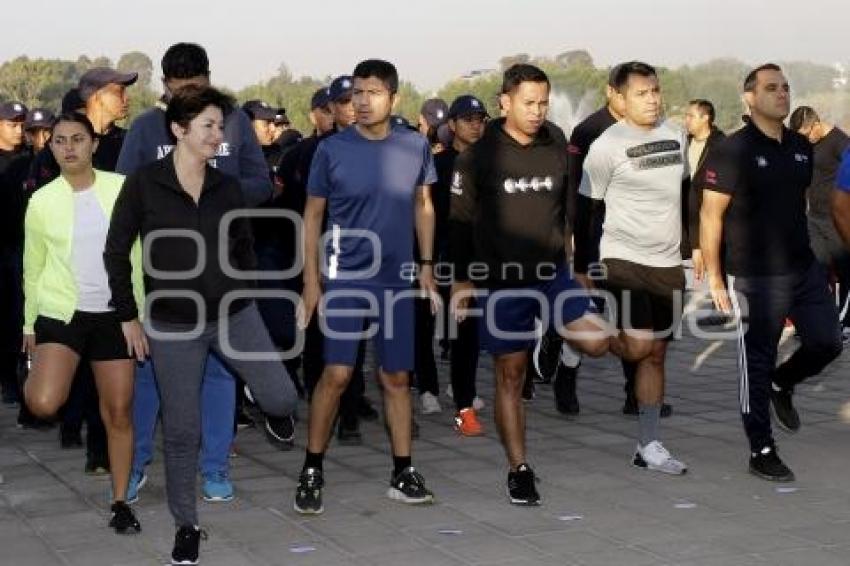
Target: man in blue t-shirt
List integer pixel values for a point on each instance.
(373, 182)
(841, 199)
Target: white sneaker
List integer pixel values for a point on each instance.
(430, 404)
(655, 457)
(478, 403)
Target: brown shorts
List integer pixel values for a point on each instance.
(648, 298)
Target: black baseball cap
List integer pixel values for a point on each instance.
(95, 79)
(320, 98)
(13, 111)
(280, 117)
(435, 111)
(39, 118)
(340, 89)
(259, 110)
(466, 104)
(72, 102)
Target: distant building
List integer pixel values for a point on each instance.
(478, 73)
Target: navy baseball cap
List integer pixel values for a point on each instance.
(95, 79)
(435, 111)
(259, 110)
(465, 105)
(39, 118)
(320, 98)
(445, 135)
(340, 89)
(13, 111)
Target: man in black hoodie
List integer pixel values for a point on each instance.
(508, 223)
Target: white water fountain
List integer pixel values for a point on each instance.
(566, 113)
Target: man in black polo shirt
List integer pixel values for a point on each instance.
(754, 198)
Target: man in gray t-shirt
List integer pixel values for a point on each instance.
(636, 167)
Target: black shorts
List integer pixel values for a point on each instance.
(648, 298)
(95, 336)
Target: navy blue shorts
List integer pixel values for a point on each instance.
(507, 321)
(386, 315)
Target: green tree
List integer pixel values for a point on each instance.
(137, 62)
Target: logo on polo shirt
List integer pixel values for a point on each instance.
(801, 158)
(456, 182)
(711, 176)
(761, 161)
(523, 184)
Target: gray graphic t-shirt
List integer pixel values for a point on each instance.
(639, 174)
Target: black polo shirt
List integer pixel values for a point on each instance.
(765, 228)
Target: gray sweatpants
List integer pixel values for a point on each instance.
(179, 371)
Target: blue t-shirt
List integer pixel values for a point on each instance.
(842, 182)
(370, 187)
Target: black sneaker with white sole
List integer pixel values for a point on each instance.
(767, 465)
(280, 431)
(782, 407)
(409, 487)
(123, 520)
(521, 486)
(308, 494)
(186, 543)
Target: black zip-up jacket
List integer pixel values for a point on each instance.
(692, 204)
(509, 208)
(152, 199)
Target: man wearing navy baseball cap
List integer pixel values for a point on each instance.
(339, 94)
(14, 163)
(37, 126)
(466, 118)
(433, 113)
(262, 119)
(104, 92)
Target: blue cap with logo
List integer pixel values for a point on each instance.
(435, 111)
(39, 118)
(340, 89)
(13, 111)
(465, 105)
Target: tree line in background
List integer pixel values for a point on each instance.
(577, 83)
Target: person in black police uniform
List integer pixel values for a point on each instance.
(754, 196)
(262, 119)
(467, 117)
(37, 128)
(293, 171)
(14, 164)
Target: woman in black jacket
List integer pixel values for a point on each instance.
(198, 259)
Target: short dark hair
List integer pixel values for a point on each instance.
(752, 76)
(706, 107)
(190, 101)
(184, 61)
(623, 71)
(801, 117)
(76, 117)
(381, 70)
(519, 73)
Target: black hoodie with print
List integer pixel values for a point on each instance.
(509, 208)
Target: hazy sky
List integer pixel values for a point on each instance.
(429, 41)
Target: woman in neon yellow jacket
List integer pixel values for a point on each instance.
(68, 316)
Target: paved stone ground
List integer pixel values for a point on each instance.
(597, 509)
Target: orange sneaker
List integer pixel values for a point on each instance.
(466, 423)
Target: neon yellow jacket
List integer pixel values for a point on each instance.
(50, 288)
